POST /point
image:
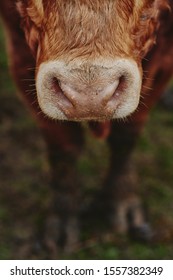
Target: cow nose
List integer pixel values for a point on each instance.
(87, 102)
(88, 91)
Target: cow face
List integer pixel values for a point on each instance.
(89, 53)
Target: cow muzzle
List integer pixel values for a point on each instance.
(98, 90)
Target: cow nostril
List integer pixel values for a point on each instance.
(56, 85)
(59, 93)
(120, 87)
(122, 83)
(117, 96)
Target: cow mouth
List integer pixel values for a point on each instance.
(78, 111)
(69, 93)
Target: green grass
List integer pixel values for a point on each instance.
(24, 182)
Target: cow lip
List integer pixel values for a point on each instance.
(91, 115)
(59, 94)
(85, 119)
(70, 108)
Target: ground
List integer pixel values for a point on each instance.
(25, 195)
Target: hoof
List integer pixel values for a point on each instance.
(61, 235)
(142, 233)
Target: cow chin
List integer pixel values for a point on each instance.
(79, 91)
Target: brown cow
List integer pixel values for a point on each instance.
(93, 61)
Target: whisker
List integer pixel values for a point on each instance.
(30, 90)
(32, 85)
(147, 87)
(144, 58)
(149, 79)
(32, 68)
(28, 79)
(144, 104)
(34, 102)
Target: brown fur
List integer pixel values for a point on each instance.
(129, 27)
(84, 29)
(68, 30)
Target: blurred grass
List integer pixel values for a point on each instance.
(24, 184)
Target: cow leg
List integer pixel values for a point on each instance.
(121, 187)
(64, 142)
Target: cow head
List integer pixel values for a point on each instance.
(88, 54)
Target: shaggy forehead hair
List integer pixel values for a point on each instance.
(121, 6)
(92, 27)
(41, 8)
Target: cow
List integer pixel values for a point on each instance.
(102, 62)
